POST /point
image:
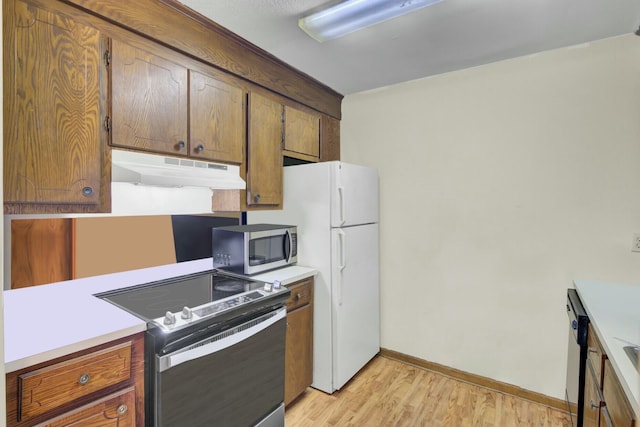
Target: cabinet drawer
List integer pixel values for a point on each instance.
(301, 294)
(55, 385)
(115, 410)
(595, 354)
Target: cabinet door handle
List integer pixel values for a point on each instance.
(256, 198)
(122, 409)
(593, 405)
(199, 148)
(180, 145)
(84, 379)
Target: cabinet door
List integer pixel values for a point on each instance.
(115, 410)
(149, 101)
(329, 139)
(264, 151)
(616, 400)
(299, 352)
(302, 132)
(592, 401)
(216, 117)
(54, 141)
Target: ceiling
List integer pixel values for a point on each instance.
(447, 36)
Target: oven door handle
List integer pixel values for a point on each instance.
(220, 341)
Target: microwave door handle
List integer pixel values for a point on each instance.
(288, 244)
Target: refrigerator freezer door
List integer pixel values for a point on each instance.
(354, 194)
(355, 300)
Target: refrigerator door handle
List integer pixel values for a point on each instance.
(343, 254)
(341, 196)
(343, 263)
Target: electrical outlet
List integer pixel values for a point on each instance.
(635, 244)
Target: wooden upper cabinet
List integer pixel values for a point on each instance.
(55, 154)
(301, 133)
(217, 121)
(264, 151)
(329, 139)
(161, 105)
(149, 101)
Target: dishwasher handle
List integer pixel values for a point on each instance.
(220, 341)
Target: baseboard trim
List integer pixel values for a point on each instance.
(478, 380)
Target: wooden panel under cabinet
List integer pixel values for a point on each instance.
(299, 340)
(301, 134)
(103, 385)
(264, 152)
(55, 148)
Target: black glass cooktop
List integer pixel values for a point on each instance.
(155, 299)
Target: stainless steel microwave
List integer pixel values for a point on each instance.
(254, 248)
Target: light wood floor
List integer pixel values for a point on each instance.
(391, 393)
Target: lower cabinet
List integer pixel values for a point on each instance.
(114, 410)
(605, 403)
(100, 386)
(299, 340)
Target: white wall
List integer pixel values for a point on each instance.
(499, 185)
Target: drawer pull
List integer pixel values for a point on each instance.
(298, 296)
(84, 379)
(122, 409)
(592, 350)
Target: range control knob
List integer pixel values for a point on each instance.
(169, 318)
(186, 314)
(277, 285)
(268, 287)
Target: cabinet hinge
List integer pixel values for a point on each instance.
(107, 124)
(107, 58)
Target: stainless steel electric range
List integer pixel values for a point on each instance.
(214, 349)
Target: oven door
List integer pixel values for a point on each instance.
(233, 378)
(270, 249)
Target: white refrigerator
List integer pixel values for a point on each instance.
(335, 207)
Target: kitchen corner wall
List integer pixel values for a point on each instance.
(499, 185)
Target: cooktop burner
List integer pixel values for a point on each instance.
(175, 303)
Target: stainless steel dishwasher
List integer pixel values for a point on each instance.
(577, 357)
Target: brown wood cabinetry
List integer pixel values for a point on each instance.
(150, 76)
(55, 150)
(616, 402)
(605, 403)
(301, 134)
(100, 386)
(299, 340)
(161, 105)
(592, 398)
(329, 139)
(264, 152)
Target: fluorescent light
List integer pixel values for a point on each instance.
(352, 15)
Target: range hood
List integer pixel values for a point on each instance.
(149, 184)
(152, 169)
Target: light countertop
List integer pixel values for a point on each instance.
(614, 313)
(49, 321)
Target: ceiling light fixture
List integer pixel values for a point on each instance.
(352, 15)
